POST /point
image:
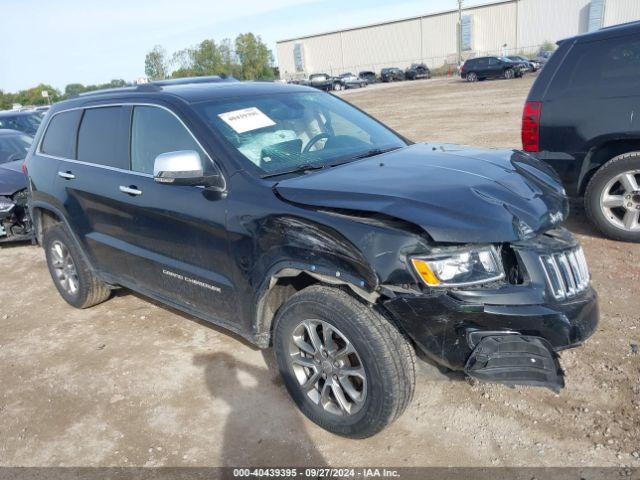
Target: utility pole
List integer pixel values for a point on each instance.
(460, 32)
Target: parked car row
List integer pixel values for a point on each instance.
(326, 82)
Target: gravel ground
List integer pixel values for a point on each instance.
(130, 382)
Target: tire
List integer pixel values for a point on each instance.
(381, 354)
(60, 249)
(472, 77)
(616, 182)
(509, 73)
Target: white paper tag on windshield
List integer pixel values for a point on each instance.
(246, 119)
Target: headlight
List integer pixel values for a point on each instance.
(460, 267)
(6, 205)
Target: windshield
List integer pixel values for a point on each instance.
(28, 123)
(288, 131)
(14, 147)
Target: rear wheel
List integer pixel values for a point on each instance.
(346, 367)
(472, 77)
(612, 198)
(71, 275)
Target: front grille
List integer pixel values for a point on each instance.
(567, 273)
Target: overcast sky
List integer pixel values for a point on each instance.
(67, 41)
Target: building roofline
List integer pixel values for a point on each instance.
(399, 20)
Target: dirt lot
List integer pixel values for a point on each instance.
(130, 382)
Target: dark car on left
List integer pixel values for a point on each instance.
(27, 122)
(15, 222)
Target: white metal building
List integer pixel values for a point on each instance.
(502, 27)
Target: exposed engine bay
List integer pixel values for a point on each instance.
(15, 221)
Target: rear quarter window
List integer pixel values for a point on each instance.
(60, 138)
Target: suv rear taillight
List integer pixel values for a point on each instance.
(463, 67)
(531, 126)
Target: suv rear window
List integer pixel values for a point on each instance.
(602, 68)
(103, 137)
(60, 138)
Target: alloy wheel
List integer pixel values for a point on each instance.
(327, 367)
(620, 201)
(64, 268)
(471, 77)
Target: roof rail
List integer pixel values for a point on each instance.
(107, 90)
(190, 80)
(155, 86)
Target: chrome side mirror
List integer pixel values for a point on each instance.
(185, 167)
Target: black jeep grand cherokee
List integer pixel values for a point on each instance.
(296, 220)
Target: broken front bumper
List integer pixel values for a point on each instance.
(513, 344)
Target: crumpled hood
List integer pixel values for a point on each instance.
(456, 194)
(11, 178)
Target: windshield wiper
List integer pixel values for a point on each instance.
(305, 167)
(373, 152)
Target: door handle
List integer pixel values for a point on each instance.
(130, 190)
(66, 175)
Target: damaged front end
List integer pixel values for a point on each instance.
(508, 330)
(15, 221)
(467, 252)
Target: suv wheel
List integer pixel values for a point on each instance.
(70, 273)
(509, 73)
(472, 77)
(347, 368)
(612, 199)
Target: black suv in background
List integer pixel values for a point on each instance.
(417, 71)
(292, 218)
(482, 68)
(391, 74)
(368, 75)
(582, 117)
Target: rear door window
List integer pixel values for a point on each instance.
(103, 137)
(155, 131)
(604, 68)
(60, 137)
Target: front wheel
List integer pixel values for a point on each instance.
(612, 198)
(509, 73)
(347, 368)
(71, 274)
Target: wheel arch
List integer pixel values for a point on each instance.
(45, 215)
(285, 279)
(598, 155)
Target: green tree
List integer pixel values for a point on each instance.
(156, 65)
(6, 100)
(228, 61)
(206, 58)
(254, 56)
(33, 96)
(73, 89)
